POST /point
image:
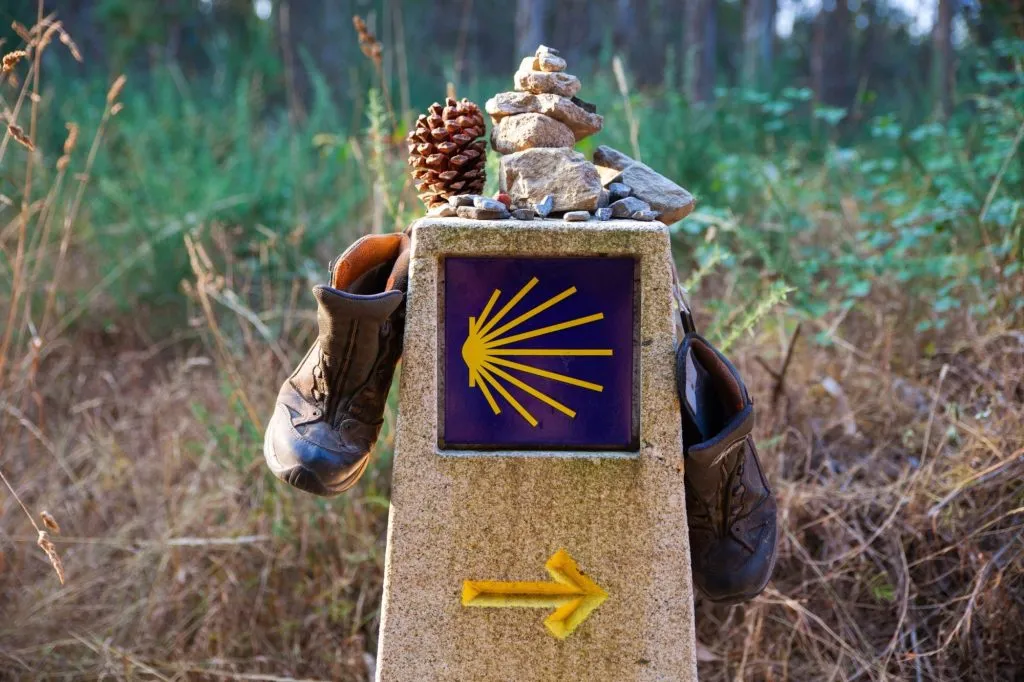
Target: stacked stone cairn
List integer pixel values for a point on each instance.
(541, 176)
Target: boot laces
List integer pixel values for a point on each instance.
(737, 504)
(320, 384)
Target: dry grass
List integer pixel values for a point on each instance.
(901, 508)
(898, 469)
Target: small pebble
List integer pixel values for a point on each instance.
(619, 190)
(624, 208)
(645, 216)
(545, 207)
(504, 198)
(603, 213)
(604, 198)
(524, 214)
(474, 213)
(457, 200)
(488, 204)
(442, 211)
(576, 216)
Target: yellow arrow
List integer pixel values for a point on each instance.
(573, 595)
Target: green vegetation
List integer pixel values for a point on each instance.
(938, 204)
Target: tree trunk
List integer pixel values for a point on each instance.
(622, 32)
(758, 39)
(701, 39)
(530, 26)
(311, 35)
(831, 69)
(942, 58)
(818, 57)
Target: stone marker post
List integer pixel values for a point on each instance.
(538, 526)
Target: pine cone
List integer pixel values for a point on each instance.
(445, 153)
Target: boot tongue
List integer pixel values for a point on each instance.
(709, 409)
(353, 328)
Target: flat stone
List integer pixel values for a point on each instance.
(474, 213)
(576, 216)
(668, 200)
(531, 175)
(542, 82)
(457, 200)
(488, 204)
(545, 206)
(603, 213)
(530, 130)
(500, 515)
(524, 214)
(581, 122)
(645, 216)
(612, 158)
(618, 190)
(545, 50)
(527, 64)
(604, 199)
(443, 211)
(549, 63)
(625, 208)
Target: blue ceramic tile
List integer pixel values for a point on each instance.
(538, 353)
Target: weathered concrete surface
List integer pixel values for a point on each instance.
(482, 516)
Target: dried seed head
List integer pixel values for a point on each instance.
(368, 42)
(116, 88)
(49, 521)
(72, 138)
(18, 134)
(47, 546)
(70, 44)
(47, 36)
(11, 60)
(22, 32)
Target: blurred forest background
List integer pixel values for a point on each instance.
(176, 174)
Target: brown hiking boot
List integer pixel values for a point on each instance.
(730, 508)
(329, 412)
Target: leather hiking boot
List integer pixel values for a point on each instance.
(329, 412)
(730, 508)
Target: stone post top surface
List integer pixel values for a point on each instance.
(538, 237)
(429, 222)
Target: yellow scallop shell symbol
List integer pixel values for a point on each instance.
(486, 350)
